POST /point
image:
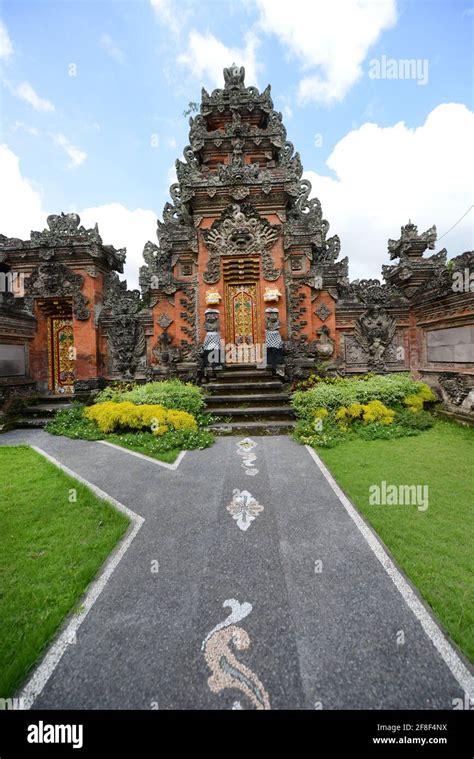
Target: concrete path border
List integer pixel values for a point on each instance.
(449, 655)
(67, 635)
(143, 456)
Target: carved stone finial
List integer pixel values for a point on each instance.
(411, 243)
(234, 76)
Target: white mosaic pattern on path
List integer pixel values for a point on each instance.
(244, 508)
(245, 449)
(227, 670)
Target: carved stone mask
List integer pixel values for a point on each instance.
(211, 322)
(273, 320)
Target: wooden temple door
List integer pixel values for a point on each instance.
(242, 309)
(61, 351)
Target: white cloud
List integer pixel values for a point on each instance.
(19, 126)
(122, 227)
(112, 50)
(170, 14)
(25, 92)
(76, 155)
(206, 57)
(331, 39)
(21, 210)
(171, 178)
(384, 176)
(6, 47)
(172, 142)
(20, 203)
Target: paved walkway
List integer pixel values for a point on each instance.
(312, 617)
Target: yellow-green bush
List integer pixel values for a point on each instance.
(416, 401)
(110, 416)
(374, 411)
(321, 413)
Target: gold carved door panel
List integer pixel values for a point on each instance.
(242, 318)
(61, 355)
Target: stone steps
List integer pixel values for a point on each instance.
(250, 399)
(41, 410)
(244, 387)
(45, 409)
(251, 411)
(32, 422)
(233, 377)
(268, 427)
(247, 399)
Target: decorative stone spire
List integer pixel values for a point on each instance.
(411, 244)
(234, 76)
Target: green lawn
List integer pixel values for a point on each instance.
(50, 550)
(147, 449)
(435, 547)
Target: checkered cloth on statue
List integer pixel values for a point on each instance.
(211, 341)
(273, 338)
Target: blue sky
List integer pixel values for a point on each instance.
(93, 94)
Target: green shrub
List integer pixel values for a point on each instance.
(315, 379)
(380, 431)
(390, 389)
(72, 423)
(421, 420)
(327, 436)
(171, 394)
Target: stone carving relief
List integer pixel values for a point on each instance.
(56, 280)
(374, 331)
(455, 386)
(324, 344)
(240, 231)
(125, 332)
(63, 226)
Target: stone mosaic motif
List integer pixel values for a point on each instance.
(244, 508)
(227, 670)
(245, 450)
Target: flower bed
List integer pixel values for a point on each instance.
(149, 428)
(369, 407)
(171, 394)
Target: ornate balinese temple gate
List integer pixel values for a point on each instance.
(240, 236)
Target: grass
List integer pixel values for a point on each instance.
(169, 457)
(50, 550)
(433, 547)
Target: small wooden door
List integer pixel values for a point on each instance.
(61, 355)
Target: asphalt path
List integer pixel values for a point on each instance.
(248, 586)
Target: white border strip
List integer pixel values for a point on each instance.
(173, 466)
(434, 633)
(37, 681)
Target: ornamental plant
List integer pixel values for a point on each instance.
(416, 401)
(375, 411)
(389, 389)
(111, 416)
(171, 394)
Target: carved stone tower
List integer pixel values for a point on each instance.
(241, 234)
